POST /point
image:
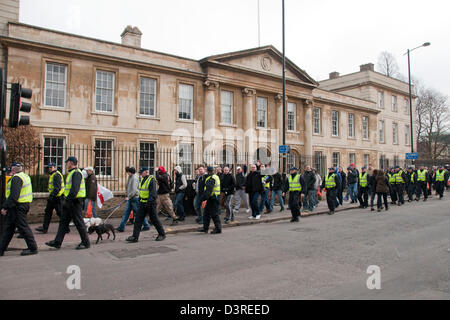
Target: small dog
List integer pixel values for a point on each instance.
(92, 222)
(101, 229)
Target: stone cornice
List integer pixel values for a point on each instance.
(211, 85)
(346, 105)
(373, 84)
(248, 92)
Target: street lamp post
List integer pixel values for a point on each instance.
(284, 92)
(426, 44)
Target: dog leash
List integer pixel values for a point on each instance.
(114, 209)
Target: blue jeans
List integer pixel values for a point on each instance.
(254, 203)
(86, 203)
(352, 191)
(179, 204)
(309, 201)
(280, 198)
(198, 208)
(132, 204)
(265, 201)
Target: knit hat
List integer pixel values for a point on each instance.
(162, 169)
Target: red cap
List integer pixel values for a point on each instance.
(162, 169)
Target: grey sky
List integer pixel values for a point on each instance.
(321, 36)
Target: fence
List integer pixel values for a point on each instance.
(110, 163)
(386, 163)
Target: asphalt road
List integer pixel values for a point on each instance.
(322, 257)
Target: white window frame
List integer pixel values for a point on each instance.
(394, 133)
(145, 97)
(394, 104)
(226, 109)
(182, 107)
(335, 123)
(185, 156)
(292, 116)
(380, 99)
(338, 158)
(366, 160)
(407, 135)
(365, 127)
(98, 166)
(352, 157)
(55, 83)
(406, 106)
(261, 112)
(99, 90)
(351, 125)
(59, 160)
(143, 161)
(317, 121)
(381, 131)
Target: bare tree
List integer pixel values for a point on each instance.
(387, 65)
(21, 144)
(432, 122)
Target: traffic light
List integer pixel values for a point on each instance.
(16, 105)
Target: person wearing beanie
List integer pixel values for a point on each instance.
(163, 199)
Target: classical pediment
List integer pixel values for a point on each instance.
(265, 59)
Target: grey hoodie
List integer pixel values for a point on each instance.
(133, 186)
(183, 180)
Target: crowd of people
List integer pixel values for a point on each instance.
(217, 189)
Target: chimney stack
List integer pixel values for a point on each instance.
(131, 37)
(366, 67)
(334, 75)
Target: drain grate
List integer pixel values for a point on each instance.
(134, 253)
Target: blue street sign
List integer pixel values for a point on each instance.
(412, 156)
(284, 149)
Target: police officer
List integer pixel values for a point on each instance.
(55, 199)
(74, 194)
(19, 195)
(296, 186)
(332, 184)
(210, 201)
(400, 179)
(422, 181)
(363, 195)
(440, 180)
(411, 180)
(147, 206)
(391, 178)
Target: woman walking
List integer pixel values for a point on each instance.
(382, 189)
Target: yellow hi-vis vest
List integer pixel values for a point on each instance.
(363, 179)
(266, 185)
(294, 184)
(144, 192)
(330, 181)
(391, 178)
(216, 190)
(82, 192)
(399, 178)
(26, 193)
(422, 175)
(440, 176)
(50, 183)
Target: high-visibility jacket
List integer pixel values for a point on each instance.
(440, 176)
(82, 192)
(51, 187)
(294, 183)
(399, 178)
(422, 175)
(144, 192)
(26, 193)
(413, 177)
(330, 181)
(216, 189)
(391, 178)
(266, 185)
(363, 179)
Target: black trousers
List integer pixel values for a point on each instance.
(421, 187)
(72, 211)
(400, 188)
(411, 190)
(382, 196)
(393, 193)
(440, 187)
(144, 210)
(17, 217)
(212, 212)
(294, 203)
(52, 204)
(363, 196)
(331, 198)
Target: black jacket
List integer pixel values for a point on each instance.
(277, 182)
(352, 177)
(302, 183)
(56, 185)
(310, 180)
(16, 187)
(344, 179)
(163, 182)
(336, 180)
(76, 183)
(227, 184)
(240, 181)
(91, 187)
(253, 183)
(209, 188)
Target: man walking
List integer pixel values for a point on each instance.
(55, 199)
(91, 191)
(180, 188)
(363, 195)
(352, 181)
(240, 191)
(440, 180)
(19, 195)
(296, 186)
(163, 200)
(422, 181)
(331, 184)
(74, 194)
(400, 178)
(277, 190)
(147, 206)
(391, 180)
(254, 187)
(199, 186)
(210, 201)
(227, 186)
(410, 183)
(310, 179)
(265, 195)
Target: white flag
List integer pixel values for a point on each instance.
(103, 195)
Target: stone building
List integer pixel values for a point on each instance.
(108, 95)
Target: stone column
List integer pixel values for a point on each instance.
(248, 110)
(308, 106)
(210, 105)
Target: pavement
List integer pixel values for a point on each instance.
(188, 225)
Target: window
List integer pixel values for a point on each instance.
(104, 91)
(147, 97)
(55, 85)
(54, 152)
(365, 121)
(261, 121)
(335, 123)
(292, 160)
(292, 116)
(147, 156)
(103, 157)
(352, 158)
(407, 139)
(185, 158)
(366, 160)
(318, 161)
(317, 118)
(351, 125)
(383, 162)
(406, 106)
(227, 107)
(335, 159)
(185, 102)
(395, 133)
(396, 162)
(381, 128)
(394, 104)
(227, 157)
(380, 100)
